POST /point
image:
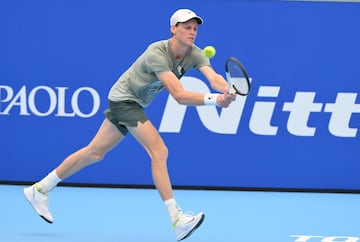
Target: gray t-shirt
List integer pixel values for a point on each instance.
(140, 84)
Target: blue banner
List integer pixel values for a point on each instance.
(298, 128)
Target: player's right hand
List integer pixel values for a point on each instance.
(224, 100)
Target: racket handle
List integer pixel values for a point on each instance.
(229, 83)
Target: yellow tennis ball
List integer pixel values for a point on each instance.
(209, 51)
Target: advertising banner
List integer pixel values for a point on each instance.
(297, 129)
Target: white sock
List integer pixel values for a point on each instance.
(173, 209)
(48, 182)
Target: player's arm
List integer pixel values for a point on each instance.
(217, 81)
(174, 86)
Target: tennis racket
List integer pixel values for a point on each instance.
(237, 77)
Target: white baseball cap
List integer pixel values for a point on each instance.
(184, 15)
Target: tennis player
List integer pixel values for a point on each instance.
(160, 67)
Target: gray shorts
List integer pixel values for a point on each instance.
(125, 113)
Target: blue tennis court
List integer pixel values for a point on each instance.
(134, 215)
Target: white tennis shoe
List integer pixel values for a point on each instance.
(39, 202)
(186, 224)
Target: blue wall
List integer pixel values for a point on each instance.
(297, 129)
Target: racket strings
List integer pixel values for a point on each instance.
(238, 78)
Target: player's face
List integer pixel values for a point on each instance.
(186, 32)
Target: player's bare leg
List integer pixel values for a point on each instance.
(184, 224)
(105, 139)
(149, 138)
